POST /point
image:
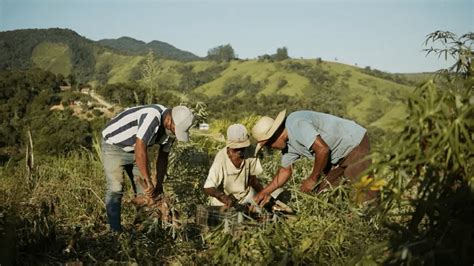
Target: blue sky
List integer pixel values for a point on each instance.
(383, 34)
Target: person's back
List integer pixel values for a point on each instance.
(125, 142)
(341, 135)
(140, 121)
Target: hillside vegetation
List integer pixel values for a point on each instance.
(161, 49)
(52, 185)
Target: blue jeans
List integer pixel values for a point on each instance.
(115, 161)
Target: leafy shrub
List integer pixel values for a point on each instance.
(282, 83)
(430, 168)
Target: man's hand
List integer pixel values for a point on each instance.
(149, 189)
(146, 184)
(228, 200)
(262, 198)
(307, 185)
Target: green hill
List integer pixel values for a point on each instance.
(371, 100)
(63, 51)
(41, 47)
(372, 97)
(54, 57)
(160, 49)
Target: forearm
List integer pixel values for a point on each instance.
(141, 159)
(255, 184)
(161, 168)
(321, 157)
(216, 193)
(320, 161)
(279, 180)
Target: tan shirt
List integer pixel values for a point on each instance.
(232, 180)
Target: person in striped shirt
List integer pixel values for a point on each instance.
(125, 141)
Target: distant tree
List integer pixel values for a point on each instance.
(221, 53)
(264, 57)
(282, 83)
(71, 80)
(281, 54)
(102, 74)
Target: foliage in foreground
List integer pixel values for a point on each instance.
(430, 193)
(59, 216)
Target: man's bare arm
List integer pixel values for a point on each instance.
(141, 160)
(161, 170)
(228, 200)
(321, 157)
(279, 180)
(255, 184)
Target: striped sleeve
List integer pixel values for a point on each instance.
(148, 123)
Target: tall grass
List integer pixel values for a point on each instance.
(61, 218)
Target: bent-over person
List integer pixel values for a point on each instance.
(125, 142)
(337, 146)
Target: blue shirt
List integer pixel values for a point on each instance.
(341, 135)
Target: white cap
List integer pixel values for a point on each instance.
(183, 120)
(237, 136)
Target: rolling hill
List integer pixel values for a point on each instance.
(161, 49)
(63, 51)
(372, 97)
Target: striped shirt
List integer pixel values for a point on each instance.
(137, 122)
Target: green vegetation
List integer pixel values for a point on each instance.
(222, 53)
(52, 210)
(25, 103)
(163, 50)
(17, 48)
(54, 57)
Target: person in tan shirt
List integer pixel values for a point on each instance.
(232, 178)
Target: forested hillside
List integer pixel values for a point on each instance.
(65, 52)
(132, 72)
(37, 47)
(161, 49)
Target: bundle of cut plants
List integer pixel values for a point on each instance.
(329, 228)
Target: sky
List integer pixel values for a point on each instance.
(384, 34)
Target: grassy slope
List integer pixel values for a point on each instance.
(54, 57)
(370, 100)
(363, 93)
(121, 65)
(201, 65)
(367, 93)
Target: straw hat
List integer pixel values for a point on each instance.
(266, 127)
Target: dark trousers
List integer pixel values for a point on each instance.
(352, 166)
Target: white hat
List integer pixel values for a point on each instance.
(237, 137)
(266, 127)
(183, 120)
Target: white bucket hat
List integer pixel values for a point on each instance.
(237, 137)
(266, 127)
(183, 120)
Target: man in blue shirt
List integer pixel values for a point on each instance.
(125, 141)
(337, 146)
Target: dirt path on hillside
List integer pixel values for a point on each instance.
(100, 100)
